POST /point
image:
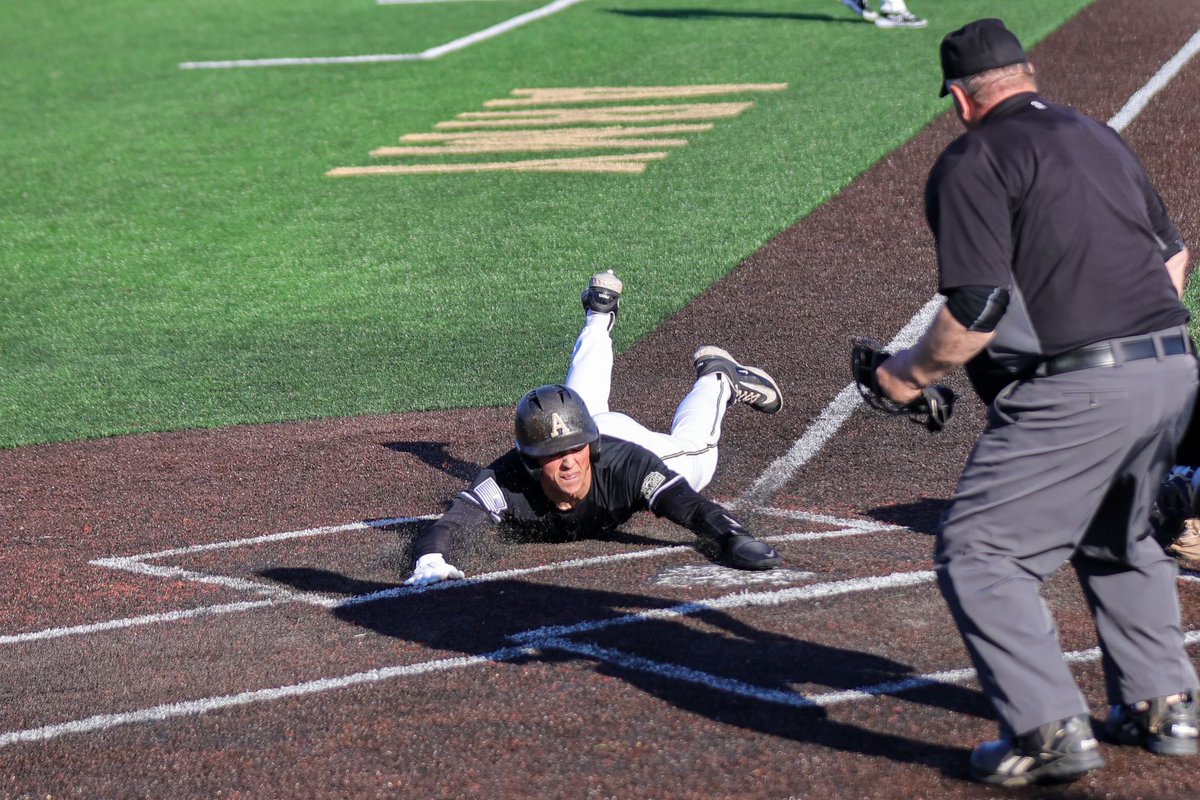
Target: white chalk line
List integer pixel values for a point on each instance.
(137, 565)
(526, 640)
(425, 55)
(209, 704)
(277, 595)
(275, 537)
(735, 600)
(830, 420)
(678, 672)
(1141, 98)
(552, 638)
(133, 622)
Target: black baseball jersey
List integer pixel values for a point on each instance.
(626, 478)
(1053, 206)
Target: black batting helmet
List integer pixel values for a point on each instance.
(551, 420)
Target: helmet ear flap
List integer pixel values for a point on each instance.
(532, 467)
(595, 451)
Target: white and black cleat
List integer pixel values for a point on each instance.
(603, 295)
(751, 386)
(898, 19)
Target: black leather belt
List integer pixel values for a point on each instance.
(1117, 351)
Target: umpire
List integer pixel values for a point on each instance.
(1063, 276)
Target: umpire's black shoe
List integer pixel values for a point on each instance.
(1164, 725)
(745, 552)
(1055, 752)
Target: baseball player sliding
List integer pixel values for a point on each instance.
(580, 469)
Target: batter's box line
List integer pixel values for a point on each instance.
(277, 596)
(138, 563)
(545, 637)
(678, 672)
(529, 641)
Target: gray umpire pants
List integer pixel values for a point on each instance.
(1067, 470)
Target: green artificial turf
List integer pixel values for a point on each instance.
(175, 256)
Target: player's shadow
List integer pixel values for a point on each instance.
(435, 455)
(923, 516)
(714, 13)
(706, 662)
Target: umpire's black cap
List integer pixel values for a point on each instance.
(978, 46)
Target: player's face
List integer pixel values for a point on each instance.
(567, 477)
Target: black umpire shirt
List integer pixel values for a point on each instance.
(1053, 206)
(626, 478)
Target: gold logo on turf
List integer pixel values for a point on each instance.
(642, 122)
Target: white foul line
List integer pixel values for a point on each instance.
(1142, 96)
(551, 637)
(776, 476)
(425, 55)
(203, 706)
(783, 697)
(208, 704)
(133, 622)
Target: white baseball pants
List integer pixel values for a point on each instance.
(690, 449)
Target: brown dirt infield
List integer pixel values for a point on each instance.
(556, 721)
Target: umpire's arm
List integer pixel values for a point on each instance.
(1177, 267)
(947, 344)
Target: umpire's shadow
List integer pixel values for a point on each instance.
(476, 618)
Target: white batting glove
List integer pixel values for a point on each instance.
(433, 568)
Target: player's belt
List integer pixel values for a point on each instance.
(1117, 351)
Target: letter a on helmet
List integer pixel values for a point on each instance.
(557, 426)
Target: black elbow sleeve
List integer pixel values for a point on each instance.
(978, 308)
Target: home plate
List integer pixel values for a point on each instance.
(715, 575)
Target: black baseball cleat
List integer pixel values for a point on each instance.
(603, 295)
(1055, 752)
(751, 386)
(1165, 725)
(745, 552)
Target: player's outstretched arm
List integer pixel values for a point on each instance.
(464, 518)
(680, 503)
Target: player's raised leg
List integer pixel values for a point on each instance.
(592, 359)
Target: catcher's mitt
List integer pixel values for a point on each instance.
(932, 409)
